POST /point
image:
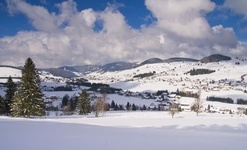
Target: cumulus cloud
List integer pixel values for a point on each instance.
(40, 18)
(68, 36)
(183, 18)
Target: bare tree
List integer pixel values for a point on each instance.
(173, 109)
(100, 105)
(241, 111)
(197, 105)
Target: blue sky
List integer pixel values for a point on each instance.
(134, 10)
(145, 28)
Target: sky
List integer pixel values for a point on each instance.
(56, 33)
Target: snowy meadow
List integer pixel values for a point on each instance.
(126, 130)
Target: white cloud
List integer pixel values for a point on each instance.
(68, 37)
(162, 39)
(40, 18)
(183, 18)
(238, 6)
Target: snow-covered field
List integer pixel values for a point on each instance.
(128, 130)
(121, 130)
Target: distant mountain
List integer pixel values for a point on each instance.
(60, 72)
(180, 59)
(87, 68)
(68, 68)
(215, 58)
(117, 66)
(151, 61)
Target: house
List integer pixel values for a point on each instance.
(152, 106)
(163, 106)
(185, 106)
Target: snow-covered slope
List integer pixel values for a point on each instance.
(176, 70)
(5, 72)
(228, 77)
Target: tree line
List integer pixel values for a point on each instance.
(220, 99)
(199, 71)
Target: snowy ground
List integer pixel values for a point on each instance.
(135, 130)
(126, 130)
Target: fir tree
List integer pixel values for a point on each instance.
(128, 106)
(28, 100)
(116, 107)
(121, 107)
(65, 100)
(83, 104)
(2, 105)
(133, 107)
(113, 105)
(144, 107)
(10, 91)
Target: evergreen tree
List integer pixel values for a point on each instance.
(144, 107)
(10, 91)
(2, 105)
(83, 104)
(116, 107)
(65, 100)
(113, 104)
(28, 100)
(128, 106)
(133, 107)
(121, 107)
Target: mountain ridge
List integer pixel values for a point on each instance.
(76, 71)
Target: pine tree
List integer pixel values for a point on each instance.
(2, 105)
(144, 107)
(116, 107)
(128, 106)
(133, 107)
(65, 100)
(10, 91)
(113, 104)
(28, 100)
(83, 104)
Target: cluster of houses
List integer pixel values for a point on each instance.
(161, 102)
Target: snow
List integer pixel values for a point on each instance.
(5, 72)
(137, 129)
(126, 130)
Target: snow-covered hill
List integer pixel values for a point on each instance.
(228, 76)
(228, 80)
(6, 71)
